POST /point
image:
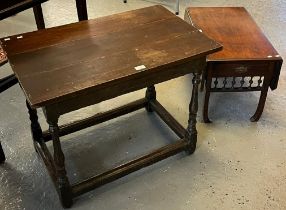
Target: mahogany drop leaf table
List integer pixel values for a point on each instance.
(248, 61)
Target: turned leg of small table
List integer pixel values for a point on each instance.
(36, 129)
(206, 107)
(191, 134)
(62, 182)
(81, 10)
(260, 105)
(208, 75)
(150, 95)
(204, 74)
(2, 155)
(39, 18)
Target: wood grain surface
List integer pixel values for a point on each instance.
(59, 63)
(235, 29)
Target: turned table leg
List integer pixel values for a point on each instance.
(2, 155)
(62, 182)
(203, 80)
(36, 129)
(191, 134)
(150, 95)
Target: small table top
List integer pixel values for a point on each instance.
(60, 63)
(235, 29)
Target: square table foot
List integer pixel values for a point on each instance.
(2, 155)
(65, 193)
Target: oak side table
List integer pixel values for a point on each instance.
(248, 61)
(69, 67)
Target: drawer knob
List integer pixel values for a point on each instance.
(241, 69)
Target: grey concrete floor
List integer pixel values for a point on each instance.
(237, 164)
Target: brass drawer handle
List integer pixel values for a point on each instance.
(241, 69)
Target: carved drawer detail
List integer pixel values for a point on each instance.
(240, 69)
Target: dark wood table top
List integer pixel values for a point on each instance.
(59, 63)
(235, 29)
(11, 7)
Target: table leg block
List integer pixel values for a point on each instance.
(150, 95)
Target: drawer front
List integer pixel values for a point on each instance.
(236, 69)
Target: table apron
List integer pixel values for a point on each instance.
(100, 94)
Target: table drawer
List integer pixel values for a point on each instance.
(230, 69)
